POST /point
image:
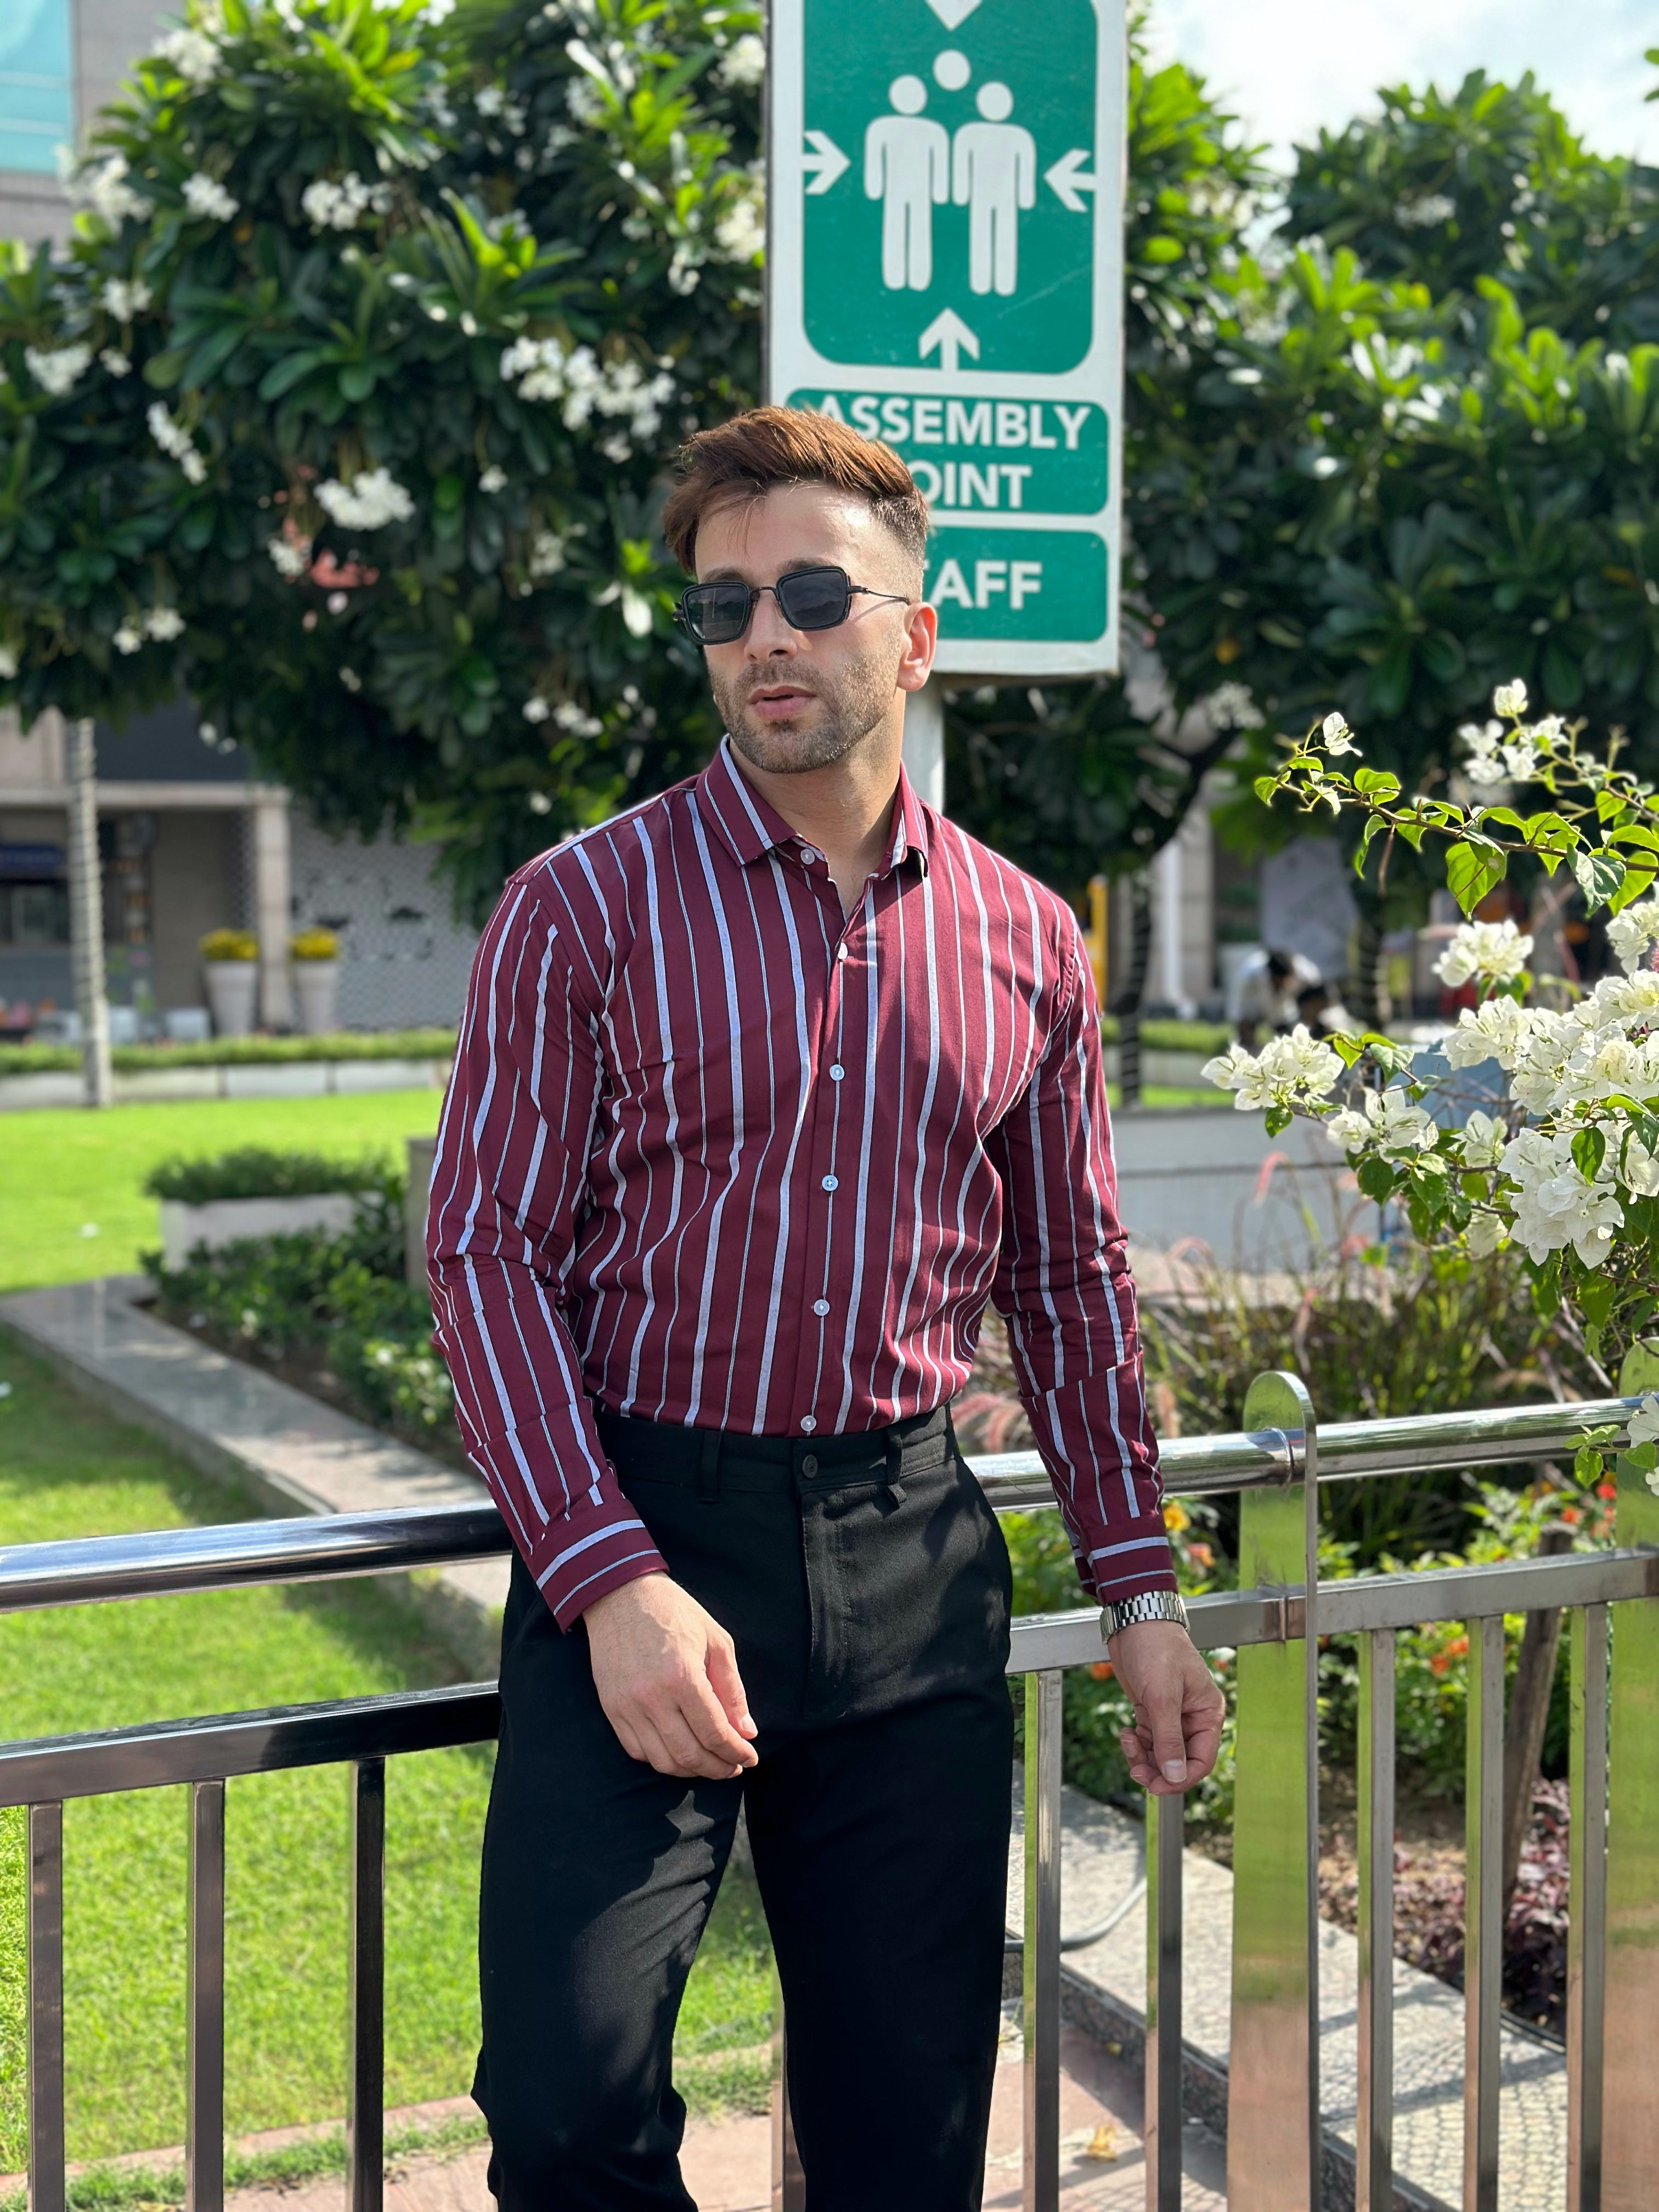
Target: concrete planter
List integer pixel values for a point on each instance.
(232, 988)
(226, 1220)
(317, 995)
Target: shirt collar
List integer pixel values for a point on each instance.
(753, 828)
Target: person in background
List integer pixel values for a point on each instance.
(1267, 986)
(1320, 1011)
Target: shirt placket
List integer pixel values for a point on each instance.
(833, 1134)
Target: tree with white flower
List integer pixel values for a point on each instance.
(1535, 1121)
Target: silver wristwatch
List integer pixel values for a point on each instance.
(1149, 1605)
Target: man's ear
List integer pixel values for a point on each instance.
(921, 638)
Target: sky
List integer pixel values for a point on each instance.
(1289, 66)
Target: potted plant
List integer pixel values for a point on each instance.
(316, 956)
(230, 969)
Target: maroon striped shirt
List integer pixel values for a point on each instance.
(713, 1154)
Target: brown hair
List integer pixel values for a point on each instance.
(755, 453)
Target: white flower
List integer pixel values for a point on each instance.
(287, 558)
(546, 554)
(124, 300)
(1520, 759)
(740, 231)
(176, 442)
(115, 361)
(56, 369)
(329, 206)
(492, 479)
(1630, 934)
(1339, 738)
(1290, 1070)
(567, 715)
(743, 64)
(191, 52)
(1500, 1030)
(128, 638)
(1482, 1141)
(1644, 1423)
(1391, 1121)
(373, 499)
(1556, 1206)
(350, 679)
(1231, 707)
(164, 624)
(1494, 951)
(585, 102)
(585, 387)
(1485, 1234)
(1426, 213)
(104, 189)
(1632, 997)
(540, 803)
(1510, 698)
(205, 195)
(8, 664)
(1634, 1166)
(536, 709)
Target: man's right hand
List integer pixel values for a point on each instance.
(667, 1673)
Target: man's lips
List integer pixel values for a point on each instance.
(776, 700)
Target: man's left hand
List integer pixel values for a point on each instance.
(1178, 1706)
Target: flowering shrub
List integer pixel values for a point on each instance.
(1560, 1158)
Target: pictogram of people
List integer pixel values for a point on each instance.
(993, 176)
(907, 167)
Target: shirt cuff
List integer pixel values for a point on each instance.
(589, 1551)
(1135, 1557)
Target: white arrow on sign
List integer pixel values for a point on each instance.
(1067, 180)
(824, 163)
(951, 336)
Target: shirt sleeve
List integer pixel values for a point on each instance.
(508, 1177)
(1063, 1285)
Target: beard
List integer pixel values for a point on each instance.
(848, 708)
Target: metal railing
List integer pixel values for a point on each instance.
(1272, 1621)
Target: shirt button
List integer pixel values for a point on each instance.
(840, 953)
(809, 1422)
(820, 1305)
(836, 1072)
(832, 1183)
(811, 855)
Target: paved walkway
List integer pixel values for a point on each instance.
(1101, 1859)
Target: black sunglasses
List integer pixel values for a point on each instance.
(808, 599)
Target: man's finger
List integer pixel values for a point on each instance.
(707, 1723)
(1169, 1737)
(727, 1686)
(687, 1754)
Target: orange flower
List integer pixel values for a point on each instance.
(1103, 1670)
(1607, 1488)
(1175, 1516)
(1570, 1516)
(1201, 1556)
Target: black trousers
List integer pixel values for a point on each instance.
(865, 1585)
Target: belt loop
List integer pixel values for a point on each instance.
(708, 1469)
(895, 1466)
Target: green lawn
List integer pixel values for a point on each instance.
(70, 1204)
(66, 1469)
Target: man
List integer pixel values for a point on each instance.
(763, 1089)
(1268, 985)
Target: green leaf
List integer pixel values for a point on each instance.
(1599, 876)
(1266, 786)
(1377, 1178)
(1637, 881)
(1587, 1467)
(1277, 1118)
(1589, 1149)
(1473, 867)
(1597, 1299)
(163, 370)
(1376, 783)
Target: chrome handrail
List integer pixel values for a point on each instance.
(93, 1570)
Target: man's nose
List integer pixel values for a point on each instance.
(768, 632)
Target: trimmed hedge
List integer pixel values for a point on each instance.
(258, 1172)
(236, 1052)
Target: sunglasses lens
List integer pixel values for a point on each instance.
(716, 613)
(814, 598)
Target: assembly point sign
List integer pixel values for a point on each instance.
(944, 273)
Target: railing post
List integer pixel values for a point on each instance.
(1374, 2133)
(1483, 1911)
(1040, 1959)
(365, 2110)
(1165, 1827)
(1272, 2093)
(1587, 1905)
(46, 2003)
(788, 2181)
(204, 2028)
(1630, 2110)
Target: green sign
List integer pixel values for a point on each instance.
(944, 274)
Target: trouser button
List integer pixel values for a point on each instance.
(809, 1464)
